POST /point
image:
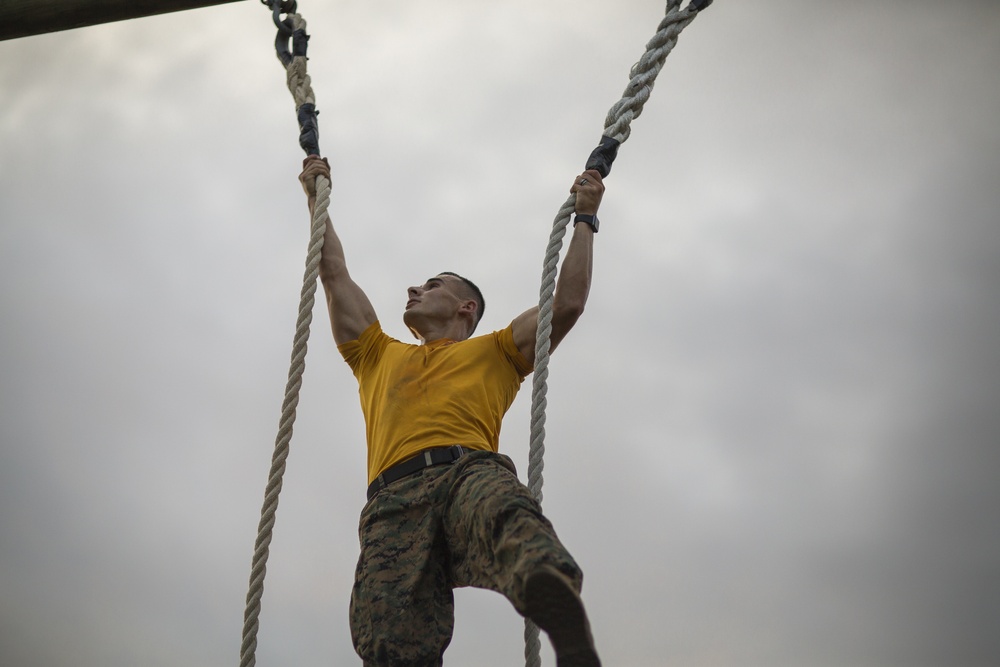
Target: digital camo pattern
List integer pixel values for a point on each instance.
(470, 523)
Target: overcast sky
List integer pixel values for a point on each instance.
(773, 439)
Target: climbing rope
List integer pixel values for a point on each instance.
(299, 84)
(617, 128)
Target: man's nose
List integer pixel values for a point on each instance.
(412, 291)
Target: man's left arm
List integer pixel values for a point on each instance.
(573, 284)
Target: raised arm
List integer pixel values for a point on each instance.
(350, 310)
(573, 284)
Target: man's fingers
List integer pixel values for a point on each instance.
(589, 177)
(314, 166)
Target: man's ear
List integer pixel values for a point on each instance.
(468, 306)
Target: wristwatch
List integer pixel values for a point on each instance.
(588, 219)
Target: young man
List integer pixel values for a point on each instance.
(444, 509)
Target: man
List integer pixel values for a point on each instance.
(445, 510)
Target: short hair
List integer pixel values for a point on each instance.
(480, 301)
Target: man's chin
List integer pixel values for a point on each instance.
(410, 325)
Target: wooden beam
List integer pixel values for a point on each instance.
(22, 18)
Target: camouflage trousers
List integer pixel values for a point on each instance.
(470, 523)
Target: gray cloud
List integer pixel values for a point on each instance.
(772, 439)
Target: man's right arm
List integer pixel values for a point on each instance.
(350, 310)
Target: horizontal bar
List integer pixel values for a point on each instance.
(23, 18)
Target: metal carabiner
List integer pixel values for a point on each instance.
(286, 31)
(279, 7)
(308, 125)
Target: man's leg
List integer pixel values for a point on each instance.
(402, 609)
(499, 539)
(554, 604)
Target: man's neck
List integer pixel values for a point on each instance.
(453, 331)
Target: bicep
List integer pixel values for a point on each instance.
(524, 328)
(350, 310)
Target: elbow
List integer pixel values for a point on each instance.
(333, 265)
(564, 316)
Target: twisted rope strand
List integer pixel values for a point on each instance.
(617, 126)
(299, 85)
(283, 439)
(643, 74)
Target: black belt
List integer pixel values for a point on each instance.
(425, 459)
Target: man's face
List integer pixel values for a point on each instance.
(437, 300)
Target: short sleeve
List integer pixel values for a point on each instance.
(505, 341)
(364, 353)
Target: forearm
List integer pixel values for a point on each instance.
(350, 310)
(573, 285)
(332, 264)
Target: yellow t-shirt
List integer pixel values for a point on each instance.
(435, 395)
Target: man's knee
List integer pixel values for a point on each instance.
(402, 608)
(400, 636)
(395, 654)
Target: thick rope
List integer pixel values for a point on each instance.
(300, 87)
(617, 125)
(299, 83)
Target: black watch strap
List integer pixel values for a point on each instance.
(588, 219)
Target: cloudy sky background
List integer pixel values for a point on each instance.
(772, 440)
